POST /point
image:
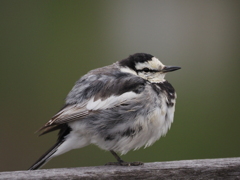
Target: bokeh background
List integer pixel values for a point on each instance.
(45, 46)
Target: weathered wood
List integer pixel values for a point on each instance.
(228, 168)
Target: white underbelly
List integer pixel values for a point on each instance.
(153, 127)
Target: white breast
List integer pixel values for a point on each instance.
(155, 125)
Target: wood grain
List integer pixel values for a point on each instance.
(227, 169)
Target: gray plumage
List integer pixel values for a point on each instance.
(119, 107)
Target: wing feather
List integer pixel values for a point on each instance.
(104, 94)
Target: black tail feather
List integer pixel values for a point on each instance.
(65, 130)
(45, 157)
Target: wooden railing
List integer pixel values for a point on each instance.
(227, 168)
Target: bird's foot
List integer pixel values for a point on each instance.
(124, 163)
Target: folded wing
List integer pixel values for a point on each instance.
(100, 92)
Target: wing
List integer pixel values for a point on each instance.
(94, 92)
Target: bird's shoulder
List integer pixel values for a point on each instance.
(103, 83)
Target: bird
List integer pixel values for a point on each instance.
(120, 107)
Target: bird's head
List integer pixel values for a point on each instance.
(146, 66)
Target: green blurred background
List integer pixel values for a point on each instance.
(47, 45)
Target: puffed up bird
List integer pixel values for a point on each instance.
(120, 107)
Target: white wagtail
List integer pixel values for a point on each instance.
(119, 107)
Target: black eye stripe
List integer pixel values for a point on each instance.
(146, 70)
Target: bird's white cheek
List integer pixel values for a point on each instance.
(156, 78)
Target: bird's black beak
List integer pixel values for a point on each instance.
(170, 69)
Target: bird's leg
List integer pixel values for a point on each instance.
(117, 157)
(121, 162)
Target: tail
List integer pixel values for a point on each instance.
(45, 157)
(64, 131)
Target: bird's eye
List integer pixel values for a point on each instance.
(145, 69)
